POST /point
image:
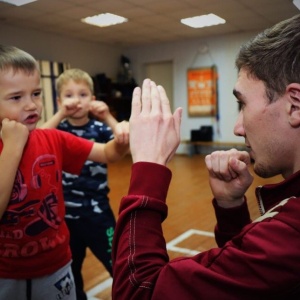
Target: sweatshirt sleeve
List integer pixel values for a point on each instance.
(139, 248)
(230, 221)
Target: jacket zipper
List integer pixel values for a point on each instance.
(259, 200)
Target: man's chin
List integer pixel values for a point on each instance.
(262, 171)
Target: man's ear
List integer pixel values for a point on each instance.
(293, 94)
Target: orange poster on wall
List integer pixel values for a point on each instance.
(202, 91)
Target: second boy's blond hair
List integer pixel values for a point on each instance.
(74, 74)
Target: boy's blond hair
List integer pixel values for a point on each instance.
(14, 58)
(77, 75)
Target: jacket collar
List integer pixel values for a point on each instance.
(271, 194)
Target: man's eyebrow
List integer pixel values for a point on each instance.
(237, 94)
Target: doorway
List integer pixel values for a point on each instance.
(162, 73)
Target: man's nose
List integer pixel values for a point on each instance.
(239, 125)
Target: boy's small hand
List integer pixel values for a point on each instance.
(70, 107)
(99, 109)
(121, 133)
(14, 132)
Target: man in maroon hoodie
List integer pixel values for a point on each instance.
(255, 260)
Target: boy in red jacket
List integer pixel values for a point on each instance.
(255, 260)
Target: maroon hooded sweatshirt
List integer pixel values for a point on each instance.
(255, 260)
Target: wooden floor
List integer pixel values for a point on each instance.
(191, 217)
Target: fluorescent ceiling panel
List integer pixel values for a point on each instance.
(297, 3)
(203, 21)
(18, 2)
(104, 20)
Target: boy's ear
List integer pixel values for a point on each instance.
(58, 100)
(93, 97)
(293, 93)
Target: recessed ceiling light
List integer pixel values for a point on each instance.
(18, 2)
(104, 20)
(203, 21)
(297, 3)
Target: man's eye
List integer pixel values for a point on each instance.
(240, 105)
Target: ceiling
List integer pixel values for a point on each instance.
(150, 21)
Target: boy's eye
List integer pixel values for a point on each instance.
(15, 98)
(37, 94)
(83, 95)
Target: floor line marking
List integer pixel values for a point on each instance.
(99, 287)
(187, 234)
(183, 250)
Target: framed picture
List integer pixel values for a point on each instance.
(202, 91)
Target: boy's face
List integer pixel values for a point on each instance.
(20, 97)
(79, 92)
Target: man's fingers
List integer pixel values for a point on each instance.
(227, 165)
(136, 104)
(155, 99)
(146, 96)
(165, 103)
(177, 119)
(150, 99)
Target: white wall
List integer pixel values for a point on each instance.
(91, 57)
(222, 51)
